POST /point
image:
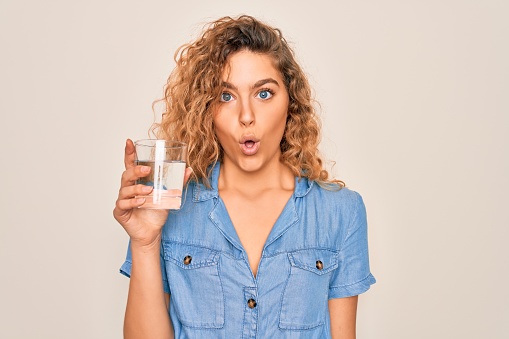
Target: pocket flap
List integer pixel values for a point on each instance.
(189, 256)
(318, 261)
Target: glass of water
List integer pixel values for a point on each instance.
(167, 160)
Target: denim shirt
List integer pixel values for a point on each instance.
(317, 250)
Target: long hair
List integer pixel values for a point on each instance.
(194, 87)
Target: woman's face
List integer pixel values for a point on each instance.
(251, 116)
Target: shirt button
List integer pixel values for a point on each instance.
(319, 265)
(187, 260)
(251, 303)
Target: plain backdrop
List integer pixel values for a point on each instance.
(415, 110)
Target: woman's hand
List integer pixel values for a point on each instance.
(143, 225)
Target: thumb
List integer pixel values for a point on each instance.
(187, 174)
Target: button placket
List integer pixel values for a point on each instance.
(251, 303)
(250, 313)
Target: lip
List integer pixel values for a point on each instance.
(248, 137)
(249, 150)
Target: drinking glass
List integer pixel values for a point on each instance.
(167, 160)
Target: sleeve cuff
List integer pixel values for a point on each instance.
(353, 289)
(125, 269)
(166, 288)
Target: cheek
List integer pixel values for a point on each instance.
(279, 123)
(283, 114)
(222, 120)
(220, 129)
(217, 123)
(277, 131)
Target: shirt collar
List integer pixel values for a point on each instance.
(203, 193)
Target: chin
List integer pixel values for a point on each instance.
(250, 164)
(250, 167)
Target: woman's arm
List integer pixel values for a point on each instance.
(343, 314)
(147, 305)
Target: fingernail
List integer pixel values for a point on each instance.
(140, 200)
(145, 169)
(147, 188)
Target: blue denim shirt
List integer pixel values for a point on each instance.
(317, 250)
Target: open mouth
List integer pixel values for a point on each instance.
(249, 145)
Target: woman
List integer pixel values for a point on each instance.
(265, 245)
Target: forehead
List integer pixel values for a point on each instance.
(245, 66)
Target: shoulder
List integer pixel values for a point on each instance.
(343, 198)
(342, 209)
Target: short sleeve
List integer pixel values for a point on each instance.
(353, 275)
(125, 269)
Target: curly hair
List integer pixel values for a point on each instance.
(194, 87)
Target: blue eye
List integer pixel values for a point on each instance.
(265, 94)
(226, 97)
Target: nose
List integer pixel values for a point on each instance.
(246, 115)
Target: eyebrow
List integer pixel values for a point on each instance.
(255, 85)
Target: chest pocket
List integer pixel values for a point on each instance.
(304, 301)
(196, 290)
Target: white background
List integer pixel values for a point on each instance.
(415, 113)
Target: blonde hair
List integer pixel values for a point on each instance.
(194, 87)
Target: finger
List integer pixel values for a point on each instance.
(125, 205)
(129, 192)
(187, 174)
(130, 154)
(130, 175)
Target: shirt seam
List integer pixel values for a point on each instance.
(330, 249)
(348, 285)
(354, 217)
